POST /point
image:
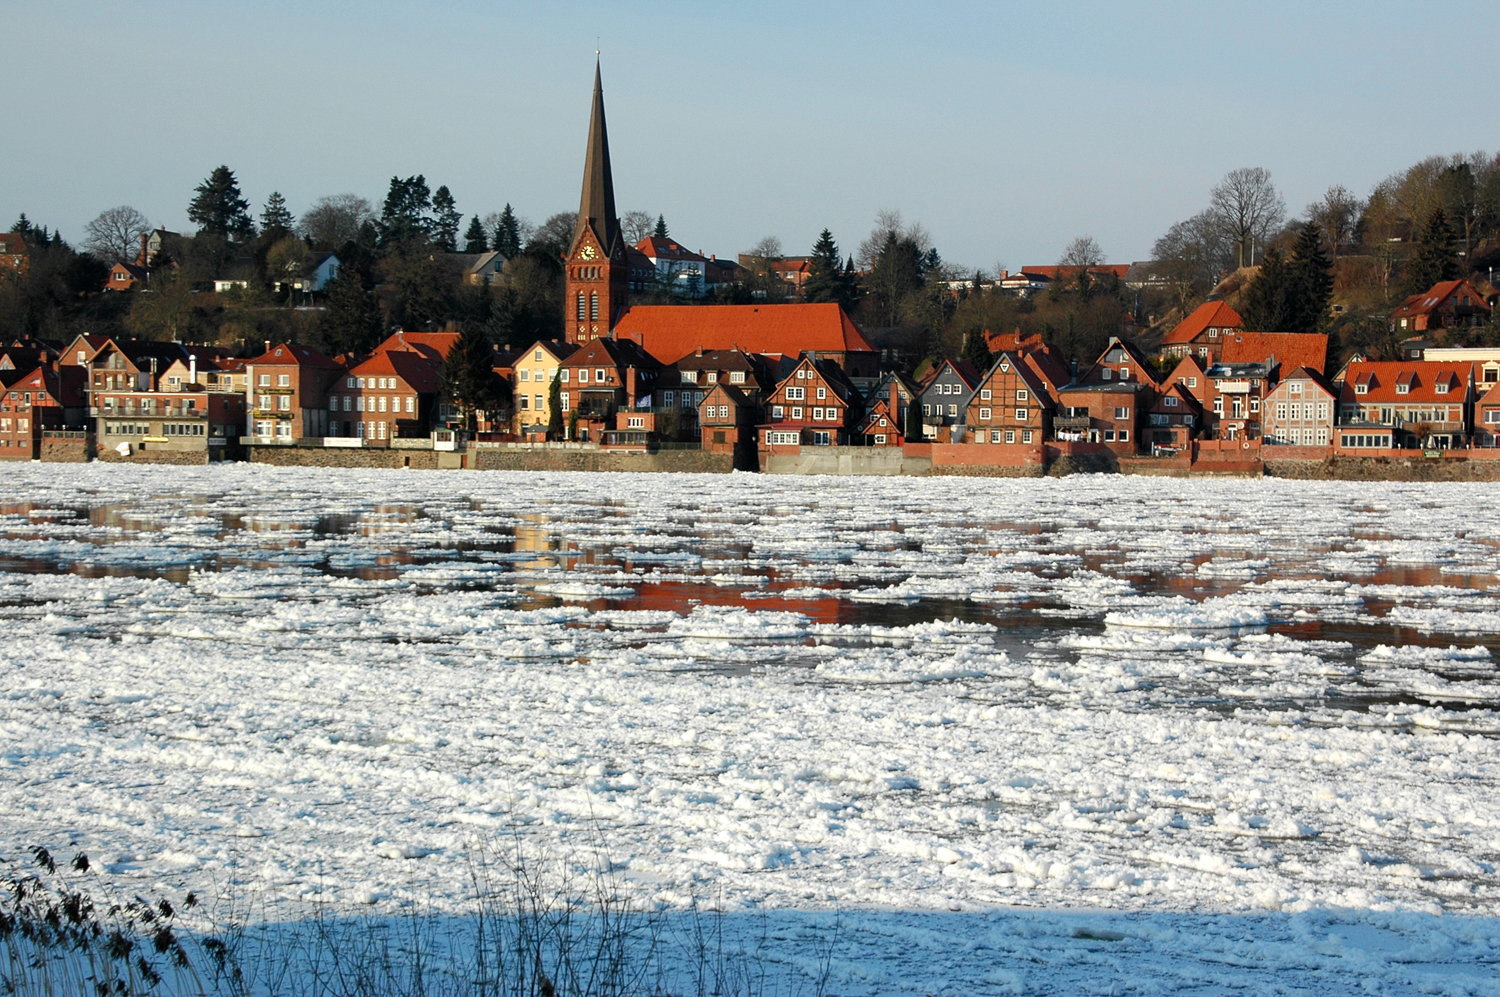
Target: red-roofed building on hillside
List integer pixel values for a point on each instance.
(768, 330)
(395, 393)
(433, 345)
(676, 270)
(124, 277)
(1289, 350)
(1412, 403)
(1447, 305)
(289, 388)
(15, 255)
(1202, 332)
(1099, 271)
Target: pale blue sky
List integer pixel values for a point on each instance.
(1006, 129)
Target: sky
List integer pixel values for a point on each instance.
(1004, 129)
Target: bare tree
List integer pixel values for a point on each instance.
(1335, 214)
(889, 223)
(556, 233)
(1249, 208)
(333, 221)
(115, 236)
(1082, 252)
(1192, 255)
(768, 248)
(637, 225)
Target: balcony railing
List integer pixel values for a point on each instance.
(1071, 422)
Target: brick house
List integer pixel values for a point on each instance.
(1447, 305)
(1011, 404)
(815, 404)
(393, 394)
(1487, 418)
(686, 382)
(288, 394)
(1301, 410)
(600, 379)
(1416, 403)
(1202, 333)
(728, 417)
(1122, 361)
(1191, 374)
(124, 277)
(15, 255)
(890, 410)
(1238, 392)
(945, 397)
(1110, 413)
(33, 402)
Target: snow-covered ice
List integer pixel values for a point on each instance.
(1245, 728)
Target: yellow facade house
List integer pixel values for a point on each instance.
(535, 368)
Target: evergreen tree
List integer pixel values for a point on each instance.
(469, 379)
(897, 272)
(661, 227)
(554, 407)
(446, 220)
(275, 218)
(1436, 258)
(1291, 294)
(977, 350)
(219, 209)
(507, 241)
(352, 322)
(474, 240)
(406, 213)
(827, 280)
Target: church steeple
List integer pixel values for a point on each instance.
(596, 208)
(598, 266)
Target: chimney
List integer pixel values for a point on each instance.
(268, 346)
(141, 260)
(1075, 371)
(699, 351)
(192, 368)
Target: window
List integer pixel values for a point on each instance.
(1022, 414)
(822, 393)
(582, 313)
(880, 439)
(1403, 388)
(350, 383)
(1219, 405)
(524, 374)
(777, 412)
(1124, 373)
(713, 377)
(348, 402)
(1295, 388)
(821, 438)
(524, 406)
(333, 403)
(283, 380)
(593, 307)
(1364, 388)
(1169, 401)
(796, 411)
(1025, 436)
(380, 403)
(1124, 436)
(1010, 436)
(583, 375)
(773, 438)
(264, 381)
(984, 414)
(562, 399)
(736, 377)
(635, 422)
(537, 356)
(1441, 387)
(1107, 373)
(690, 376)
(562, 375)
(1122, 413)
(1255, 405)
(284, 403)
(361, 382)
(599, 377)
(359, 403)
(411, 401)
(984, 396)
(536, 403)
(284, 430)
(1109, 436)
(795, 394)
(1022, 395)
(953, 410)
(817, 415)
(1323, 411)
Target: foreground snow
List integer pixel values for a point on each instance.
(1254, 720)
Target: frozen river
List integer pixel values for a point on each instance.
(1245, 726)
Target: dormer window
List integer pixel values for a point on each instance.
(690, 376)
(1362, 388)
(736, 377)
(1441, 387)
(1403, 388)
(713, 377)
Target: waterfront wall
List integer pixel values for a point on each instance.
(496, 459)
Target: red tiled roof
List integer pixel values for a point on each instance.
(1069, 273)
(294, 354)
(667, 249)
(1291, 349)
(677, 330)
(1383, 375)
(418, 370)
(1420, 304)
(1210, 314)
(433, 345)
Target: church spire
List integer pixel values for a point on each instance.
(596, 208)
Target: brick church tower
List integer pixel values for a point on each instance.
(598, 270)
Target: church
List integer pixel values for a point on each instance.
(597, 303)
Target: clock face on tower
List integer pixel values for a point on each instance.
(587, 252)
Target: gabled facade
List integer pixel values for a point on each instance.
(815, 404)
(533, 370)
(1419, 403)
(125, 277)
(727, 418)
(1109, 413)
(945, 397)
(600, 379)
(1011, 404)
(1487, 418)
(899, 398)
(1201, 334)
(1301, 410)
(675, 269)
(288, 394)
(1447, 305)
(1174, 419)
(31, 402)
(391, 395)
(1121, 361)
